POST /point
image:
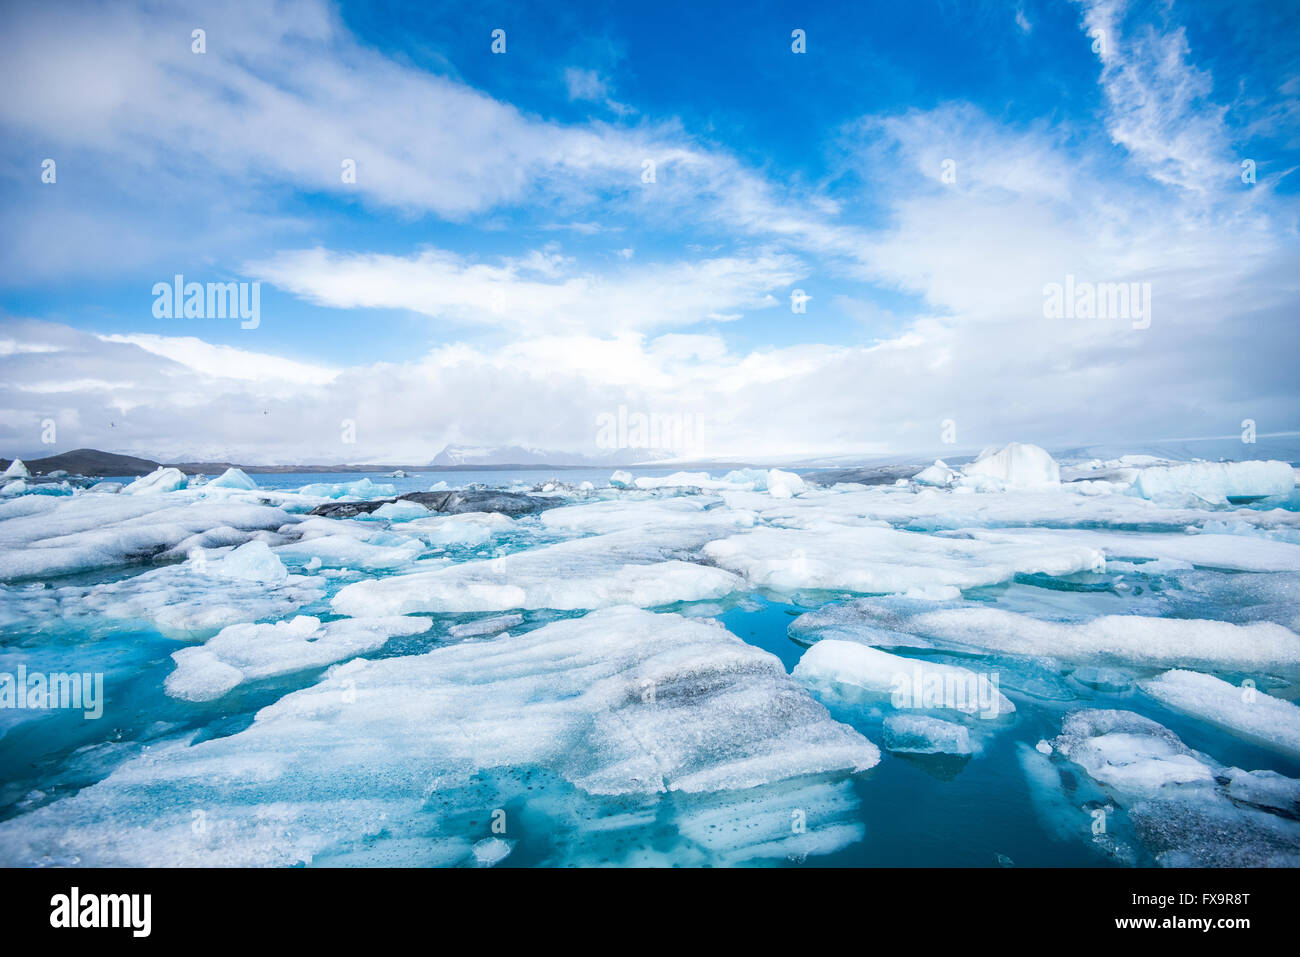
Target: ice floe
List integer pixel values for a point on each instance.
(1259, 647)
(1245, 711)
(857, 673)
(618, 702)
(1217, 481)
(249, 652)
(1180, 807)
(881, 560)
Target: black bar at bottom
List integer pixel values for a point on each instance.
(299, 906)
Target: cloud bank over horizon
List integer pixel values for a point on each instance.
(528, 241)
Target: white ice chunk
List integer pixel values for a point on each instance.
(363, 489)
(56, 536)
(1155, 642)
(16, 470)
(783, 484)
(492, 850)
(936, 474)
(252, 561)
(857, 674)
(1128, 752)
(467, 528)
(1017, 465)
(161, 479)
(621, 479)
(875, 560)
(400, 511)
(248, 652)
(485, 626)
(1265, 789)
(700, 480)
(1246, 712)
(347, 551)
(1216, 481)
(233, 478)
(620, 568)
(918, 734)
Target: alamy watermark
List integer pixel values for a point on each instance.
(179, 299)
(927, 688)
(1098, 300)
(39, 691)
(675, 431)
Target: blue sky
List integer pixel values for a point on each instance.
(500, 274)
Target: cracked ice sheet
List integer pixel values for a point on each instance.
(1258, 647)
(623, 567)
(878, 560)
(619, 702)
(92, 531)
(1183, 808)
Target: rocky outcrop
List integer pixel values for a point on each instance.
(451, 502)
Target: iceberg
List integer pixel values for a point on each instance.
(1015, 465)
(783, 484)
(937, 474)
(233, 478)
(16, 470)
(162, 479)
(1217, 481)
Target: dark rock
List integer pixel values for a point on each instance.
(481, 500)
(452, 502)
(869, 475)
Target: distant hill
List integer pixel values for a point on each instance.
(87, 462)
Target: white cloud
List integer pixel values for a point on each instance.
(536, 293)
(1160, 105)
(227, 362)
